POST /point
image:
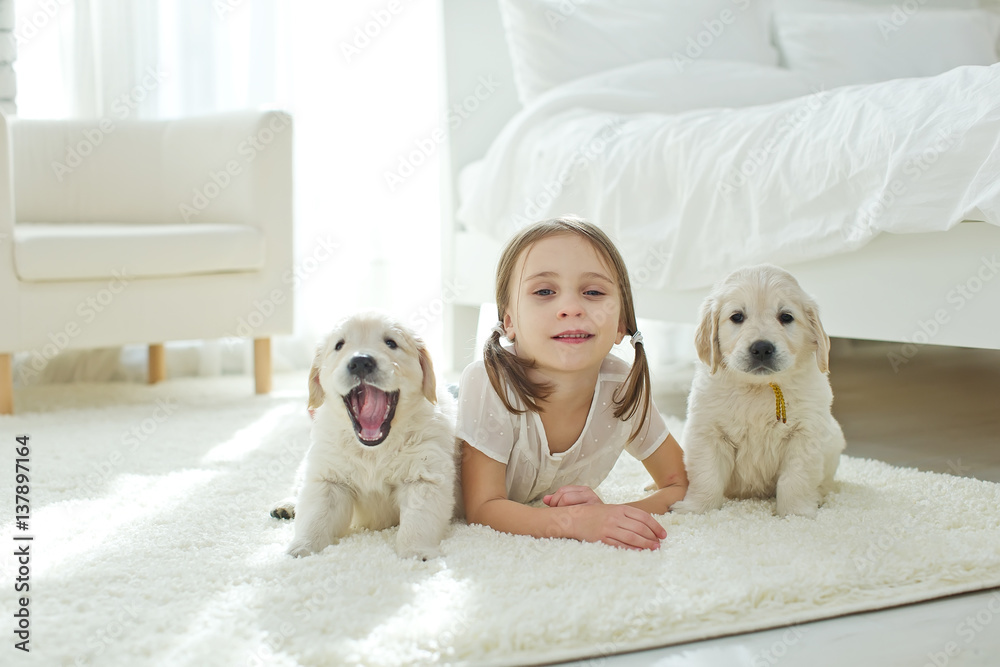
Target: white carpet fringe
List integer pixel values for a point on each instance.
(153, 545)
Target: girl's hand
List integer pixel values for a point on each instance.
(617, 525)
(572, 495)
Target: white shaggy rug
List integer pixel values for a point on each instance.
(153, 545)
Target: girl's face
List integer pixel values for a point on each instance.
(565, 308)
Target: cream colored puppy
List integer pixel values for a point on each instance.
(383, 447)
(759, 422)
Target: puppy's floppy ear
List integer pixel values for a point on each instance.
(706, 337)
(316, 394)
(429, 386)
(819, 336)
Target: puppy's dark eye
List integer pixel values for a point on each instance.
(786, 318)
(391, 344)
(339, 345)
(736, 318)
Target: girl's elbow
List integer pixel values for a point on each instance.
(674, 481)
(475, 512)
(472, 516)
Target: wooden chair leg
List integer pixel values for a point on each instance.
(6, 384)
(157, 363)
(262, 365)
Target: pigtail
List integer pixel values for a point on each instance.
(633, 395)
(507, 370)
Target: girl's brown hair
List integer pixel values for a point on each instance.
(507, 370)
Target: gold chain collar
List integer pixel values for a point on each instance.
(779, 403)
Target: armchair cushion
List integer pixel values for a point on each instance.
(88, 251)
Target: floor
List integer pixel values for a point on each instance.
(932, 408)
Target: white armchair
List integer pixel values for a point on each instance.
(143, 232)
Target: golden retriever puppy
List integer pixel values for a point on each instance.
(759, 422)
(383, 449)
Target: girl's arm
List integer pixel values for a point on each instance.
(484, 491)
(666, 467)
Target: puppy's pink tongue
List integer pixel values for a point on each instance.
(372, 405)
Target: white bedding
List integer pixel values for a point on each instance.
(716, 164)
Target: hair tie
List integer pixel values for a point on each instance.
(636, 338)
(498, 329)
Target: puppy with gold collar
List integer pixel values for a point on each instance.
(759, 422)
(383, 447)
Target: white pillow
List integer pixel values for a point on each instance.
(836, 50)
(554, 41)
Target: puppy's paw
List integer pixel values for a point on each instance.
(685, 507)
(300, 548)
(806, 508)
(284, 510)
(420, 552)
(692, 506)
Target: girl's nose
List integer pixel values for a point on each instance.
(570, 308)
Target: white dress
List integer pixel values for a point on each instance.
(519, 440)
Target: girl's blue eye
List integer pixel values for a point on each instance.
(594, 292)
(547, 291)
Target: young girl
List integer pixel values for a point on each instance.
(548, 417)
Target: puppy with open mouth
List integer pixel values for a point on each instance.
(759, 422)
(383, 447)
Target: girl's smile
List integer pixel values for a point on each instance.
(574, 337)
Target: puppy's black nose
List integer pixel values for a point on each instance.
(361, 365)
(762, 350)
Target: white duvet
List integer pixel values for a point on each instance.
(696, 172)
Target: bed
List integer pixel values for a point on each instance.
(883, 198)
